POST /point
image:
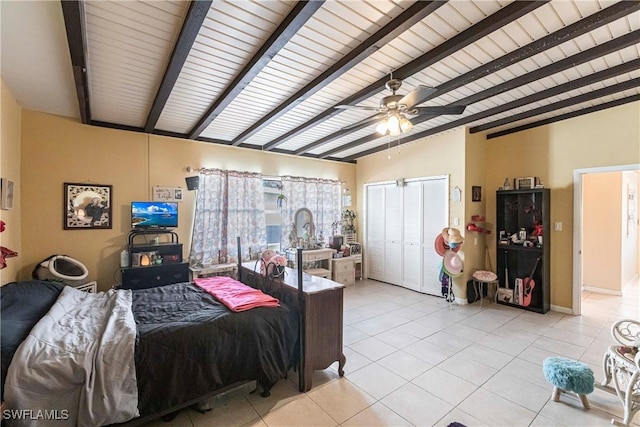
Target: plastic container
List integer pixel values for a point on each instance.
(124, 258)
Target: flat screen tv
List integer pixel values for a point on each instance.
(154, 215)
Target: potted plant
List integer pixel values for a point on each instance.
(347, 222)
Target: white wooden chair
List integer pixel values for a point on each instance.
(622, 367)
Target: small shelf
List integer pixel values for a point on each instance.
(519, 248)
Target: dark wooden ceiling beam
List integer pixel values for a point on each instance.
(608, 73)
(585, 25)
(190, 28)
(629, 84)
(408, 18)
(470, 35)
(589, 96)
(592, 109)
(572, 61)
(299, 15)
(556, 67)
(73, 12)
(557, 90)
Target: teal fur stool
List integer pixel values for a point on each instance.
(569, 375)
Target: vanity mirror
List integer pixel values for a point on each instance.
(303, 232)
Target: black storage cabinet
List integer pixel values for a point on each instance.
(517, 210)
(172, 269)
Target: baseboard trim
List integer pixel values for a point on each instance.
(561, 309)
(602, 291)
(461, 301)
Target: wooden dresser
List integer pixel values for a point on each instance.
(321, 334)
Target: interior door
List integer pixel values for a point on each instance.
(435, 214)
(412, 236)
(393, 234)
(374, 249)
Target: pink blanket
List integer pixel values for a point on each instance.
(235, 295)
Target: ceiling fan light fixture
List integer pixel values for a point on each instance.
(382, 127)
(393, 123)
(405, 125)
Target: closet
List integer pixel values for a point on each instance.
(403, 219)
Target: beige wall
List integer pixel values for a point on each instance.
(602, 232)
(475, 246)
(10, 137)
(56, 150)
(552, 152)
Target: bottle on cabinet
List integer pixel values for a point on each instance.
(124, 258)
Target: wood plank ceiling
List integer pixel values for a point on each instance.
(268, 74)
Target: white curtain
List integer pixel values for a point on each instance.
(228, 204)
(320, 196)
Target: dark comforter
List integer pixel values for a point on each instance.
(188, 344)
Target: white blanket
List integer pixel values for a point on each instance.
(77, 366)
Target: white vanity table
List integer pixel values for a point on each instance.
(321, 259)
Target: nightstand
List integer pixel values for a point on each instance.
(343, 270)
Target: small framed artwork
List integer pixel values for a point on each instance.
(6, 194)
(87, 206)
(168, 194)
(476, 193)
(162, 194)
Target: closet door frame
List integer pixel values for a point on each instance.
(424, 242)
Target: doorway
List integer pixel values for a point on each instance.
(586, 236)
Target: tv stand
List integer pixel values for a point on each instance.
(170, 270)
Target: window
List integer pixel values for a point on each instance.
(273, 213)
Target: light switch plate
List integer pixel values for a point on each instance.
(558, 226)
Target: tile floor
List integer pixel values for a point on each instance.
(414, 361)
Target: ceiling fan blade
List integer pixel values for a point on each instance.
(366, 121)
(417, 96)
(356, 107)
(454, 109)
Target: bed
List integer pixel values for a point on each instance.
(188, 346)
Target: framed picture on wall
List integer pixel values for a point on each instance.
(6, 193)
(476, 193)
(87, 206)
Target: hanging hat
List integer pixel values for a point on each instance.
(452, 264)
(442, 246)
(451, 235)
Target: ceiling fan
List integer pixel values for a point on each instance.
(394, 109)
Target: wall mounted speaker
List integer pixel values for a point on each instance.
(192, 182)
